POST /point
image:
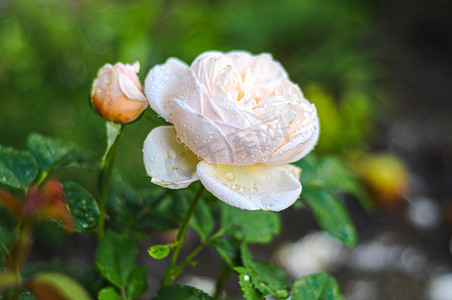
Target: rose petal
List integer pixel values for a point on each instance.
(256, 187)
(296, 148)
(129, 88)
(201, 135)
(223, 142)
(162, 83)
(190, 91)
(294, 170)
(167, 161)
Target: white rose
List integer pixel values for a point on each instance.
(238, 122)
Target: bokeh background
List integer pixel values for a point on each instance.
(379, 72)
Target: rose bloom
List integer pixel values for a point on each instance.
(238, 121)
(117, 94)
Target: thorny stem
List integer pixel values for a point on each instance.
(106, 172)
(179, 241)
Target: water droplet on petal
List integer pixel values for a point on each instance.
(229, 176)
(171, 154)
(235, 187)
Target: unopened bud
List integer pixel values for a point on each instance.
(117, 94)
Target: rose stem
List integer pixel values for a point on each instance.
(222, 277)
(179, 241)
(106, 172)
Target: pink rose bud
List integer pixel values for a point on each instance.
(117, 94)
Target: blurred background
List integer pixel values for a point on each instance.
(379, 72)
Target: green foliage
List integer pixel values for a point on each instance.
(113, 131)
(17, 168)
(267, 279)
(159, 251)
(331, 215)
(228, 251)
(135, 210)
(345, 122)
(137, 283)
(249, 226)
(6, 238)
(323, 179)
(83, 206)
(116, 257)
(249, 292)
(52, 154)
(181, 292)
(334, 174)
(202, 220)
(108, 293)
(318, 286)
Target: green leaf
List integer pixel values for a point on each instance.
(58, 287)
(108, 293)
(52, 154)
(249, 226)
(267, 279)
(249, 292)
(181, 292)
(331, 215)
(17, 168)
(83, 206)
(137, 284)
(159, 251)
(113, 131)
(116, 257)
(337, 175)
(318, 286)
(154, 220)
(227, 250)
(202, 220)
(333, 174)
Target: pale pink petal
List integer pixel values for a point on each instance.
(201, 135)
(129, 88)
(190, 91)
(294, 170)
(255, 187)
(235, 138)
(162, 83)
(167, 161)
(296, 148)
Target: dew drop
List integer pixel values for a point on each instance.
(235, 187)
(230, 176)
(171, 154)
(246, 278)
